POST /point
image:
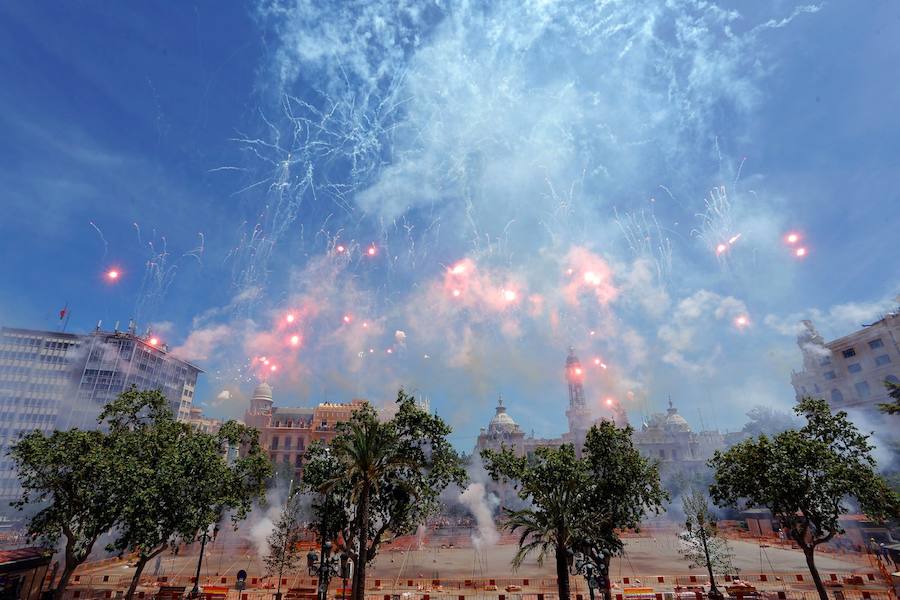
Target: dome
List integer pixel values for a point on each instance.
(674, 421)
(263, 392)
(502, 422)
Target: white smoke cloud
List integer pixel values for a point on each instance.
(202, 343)
(475, 499)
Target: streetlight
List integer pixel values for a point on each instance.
(325, 567)
(195, 592)
(594, 574)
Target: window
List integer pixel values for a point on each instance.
(849, 353)
(854, 368)
(817, 388)
(892, 379)
(275, 443)
(876, 344)
(862, 389)
(287, 443)
(829, 375)
(298, 460)
(882, 360)
(837, 396)
(825, 361)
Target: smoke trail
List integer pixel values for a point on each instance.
(475, 499)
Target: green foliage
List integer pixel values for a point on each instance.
(377, 480)
(74, 477)
(177, 480)
(556, 482)
(805, 477)
(768, 421)
(625, 485)
(701, 545)
(148, 478)
(283, 552)
(893, 390)
(579, 503)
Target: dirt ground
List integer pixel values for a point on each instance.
(643, 557)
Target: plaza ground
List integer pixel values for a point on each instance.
(645, 559)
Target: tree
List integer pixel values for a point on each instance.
(701, 544)
(385, 478)
(766, 420)
(805, 477)
(176, 479)
(73, 475)
(893, 390)
(624, 488)
(579, 504)
(556, 483)
(283, 552)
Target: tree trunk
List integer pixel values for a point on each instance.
(64, 580)
(72, 562)
(604, 573)
(136, 578)
(713, 590)
(809, 552)
(562, 572)
(362, 532)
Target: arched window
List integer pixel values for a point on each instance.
(836, 395)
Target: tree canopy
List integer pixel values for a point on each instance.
(805, 477)
(177, 478)
(578, 504)
(893, 390)
(769, 421)
(380, 479)
(150, 480)
(73, 476)
(700, 544)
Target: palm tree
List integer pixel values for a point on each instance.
(555, 481)
(540, 533)
(369, 452)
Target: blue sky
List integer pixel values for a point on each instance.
(525, 139)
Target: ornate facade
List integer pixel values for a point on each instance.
(286, 433)
(664, 437)
(668, 438)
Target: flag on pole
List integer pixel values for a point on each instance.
(64, 312)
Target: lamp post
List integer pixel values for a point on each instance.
(594, 574)
(325, 567)
(195, 592)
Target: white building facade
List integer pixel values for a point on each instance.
(850, 372)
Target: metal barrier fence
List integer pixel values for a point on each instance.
(104, 581)
(114, 594)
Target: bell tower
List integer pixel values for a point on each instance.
(577, 413)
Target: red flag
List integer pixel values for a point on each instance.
(63, 312)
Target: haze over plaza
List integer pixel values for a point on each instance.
(326, 290)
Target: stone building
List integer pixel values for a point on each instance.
(668, 438)
(202, 423)
(286, 433)
(850, 372)
(664, 437)
(503, 431)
